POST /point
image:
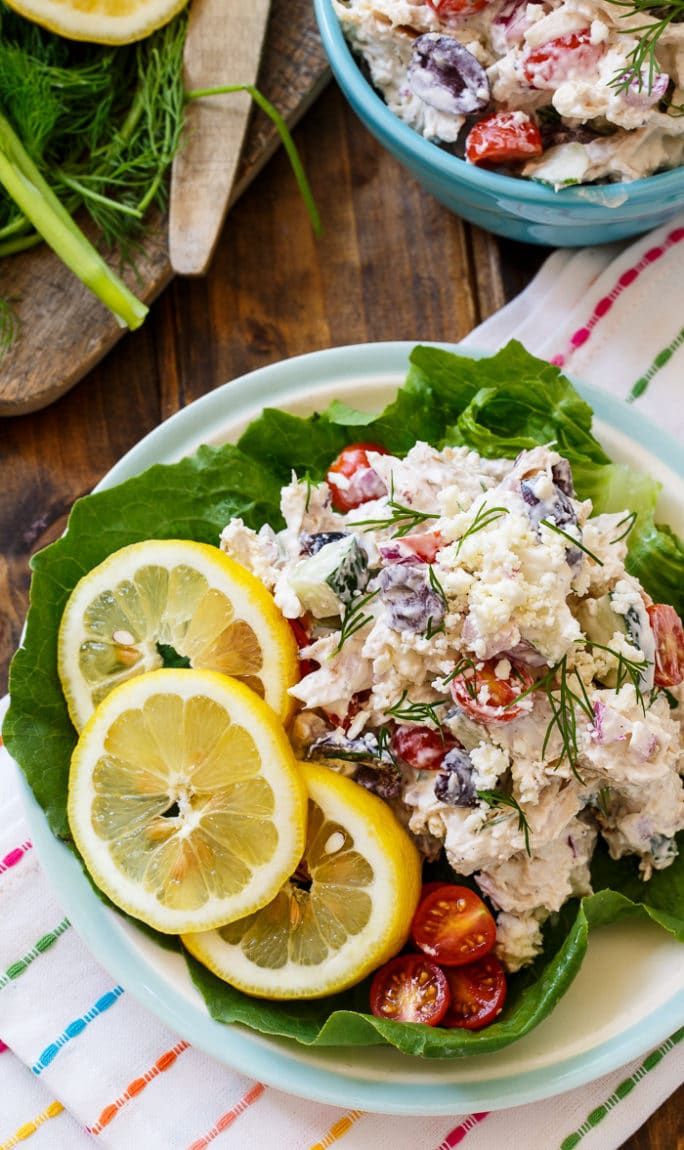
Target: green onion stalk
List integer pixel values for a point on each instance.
(39, 204)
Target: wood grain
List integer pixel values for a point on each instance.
(63, 330)
(392, 264)
(220, 42)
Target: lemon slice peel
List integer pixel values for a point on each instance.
(183, 858)
(172, 595)
(100, 21)
(363, 914)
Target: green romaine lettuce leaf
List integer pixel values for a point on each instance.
(285, 443)
(614, 487)
(343, 1019)
(656, 558)
(508, 402)
(497, 405)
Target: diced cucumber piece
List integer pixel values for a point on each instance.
(327, 581)
(599, 621)
(640, 635)
(560, 167)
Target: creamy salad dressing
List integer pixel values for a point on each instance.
(493, 570)
(599, 132)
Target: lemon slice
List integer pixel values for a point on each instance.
(175, 601)
(99, 21)
(347, 909)
(186, 801)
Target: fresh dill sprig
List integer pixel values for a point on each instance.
(402, 517)
(563, 709)
(483, 517)
(630, 520)
(409, 712)
(642, 63)
(499, 799)
(571, 538)
(562, 699)
(565, 691)
(628, 670)
(101, 124)
(431, 631)
(354, 619)
(24, 183)
(96, 128)
(385, 752)
(436, 585)
(87, 127)
(309, 486)
(460, 668)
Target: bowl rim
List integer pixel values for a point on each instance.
(403, 137)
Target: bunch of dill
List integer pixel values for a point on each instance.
(92, 129)
(101, 124)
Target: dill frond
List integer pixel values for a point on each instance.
(643, 65)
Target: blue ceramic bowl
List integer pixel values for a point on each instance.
(512, 207)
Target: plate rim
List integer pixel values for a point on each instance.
(230, 1043)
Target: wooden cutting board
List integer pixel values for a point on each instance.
(63, 329)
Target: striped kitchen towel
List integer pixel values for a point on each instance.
(82, 1064)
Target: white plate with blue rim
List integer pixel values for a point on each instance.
(629, 993)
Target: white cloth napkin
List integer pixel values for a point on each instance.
(81, 1063)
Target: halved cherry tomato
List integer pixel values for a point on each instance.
(457, 7)
(364, 484)
(302, 639)
(453, 926)
(478, 993)
(503, 138)
(298, 628)
(421, 747)
(410, 988)
(488, 699)
(668, 633)
(567, 57)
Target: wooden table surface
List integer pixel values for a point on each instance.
(392, 264)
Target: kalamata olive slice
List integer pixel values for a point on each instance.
(411, 603)
(455, 785)
(447, 76)
(311, 544)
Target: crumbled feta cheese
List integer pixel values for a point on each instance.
(258, 552)
(490, 762)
